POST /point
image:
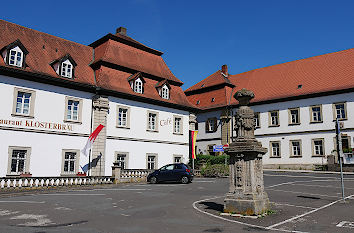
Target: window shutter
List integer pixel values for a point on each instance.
(215, 124)
(206, 126)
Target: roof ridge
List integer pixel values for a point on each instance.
(47, 34)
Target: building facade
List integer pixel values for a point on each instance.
(295, 105)
(56, 92)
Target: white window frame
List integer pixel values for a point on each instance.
(271, 149)
(298, 153)
(79, 110)
(317, 115)
(148, 161)
(122, 154)
(315, 147)
(257, 120)
(165, 92)
(177, 156)
(18, 57)
(76, 161)
(178, 127)
(31, 103)
(26, 160)
(127, 117)
(335, 113)
(210, 125)
(138, 86)
(271, 118)
(149, 126)
(66, 69)
(296, 120)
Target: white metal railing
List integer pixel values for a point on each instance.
(38, 182)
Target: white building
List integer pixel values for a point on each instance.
(56, 92)
(295, 105)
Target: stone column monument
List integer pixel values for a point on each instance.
(246, 195)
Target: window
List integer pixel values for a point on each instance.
(257, 120)
(211, 125)
(177, 159)
(346, 143)
(23, 102)
(295, 147)
(18, 162)
(123, 114)
(122, 159)
(316, 113)
(318, 147)
(274, 118)
(73, 110)
(275, 149)
(138, 86)
(16, 57)
(340, 112)
(198, 102)
(66, 69)
(152, 121)
(212, 99)
(177, 125)
(70, 162)
(165, 92)
(151, 161)
(294, 116)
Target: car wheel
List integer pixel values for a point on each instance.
(185, 180)
(153, 180)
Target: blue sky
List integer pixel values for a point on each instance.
(197, 37)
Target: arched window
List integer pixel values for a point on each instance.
(165, 92)
(16, 57)
(138, 86)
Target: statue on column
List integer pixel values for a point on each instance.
(246, 194)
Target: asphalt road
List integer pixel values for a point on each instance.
(300, 203)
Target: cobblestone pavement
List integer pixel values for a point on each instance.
(301, 202)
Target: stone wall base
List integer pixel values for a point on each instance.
(246, 207)
(290, 166)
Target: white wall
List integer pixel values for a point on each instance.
(46, 154)
(305, 131)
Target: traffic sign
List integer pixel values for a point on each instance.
(218, 148)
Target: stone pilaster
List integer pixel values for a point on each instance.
(225, 127)
(192, 121)
(100, 111)
(246, 191)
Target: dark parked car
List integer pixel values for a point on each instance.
(179, 172)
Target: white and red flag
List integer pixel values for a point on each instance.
(91, 140)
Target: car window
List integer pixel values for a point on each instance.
(178, 166)
(169, 167)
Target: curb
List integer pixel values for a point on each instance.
(308, 171)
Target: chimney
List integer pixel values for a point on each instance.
(224, 70)
(122, 31)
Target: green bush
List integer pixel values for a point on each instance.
(208, 160)
(215, 170)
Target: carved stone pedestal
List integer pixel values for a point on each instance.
(246, 192)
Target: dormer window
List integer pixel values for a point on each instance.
(136, 82)
(138, 86)
(14, 54)
(66, 69)
(163, 88)
(64, 66)
(16, 57)
(165, 92)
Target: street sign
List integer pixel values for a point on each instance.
(218, 148)
(225, 146)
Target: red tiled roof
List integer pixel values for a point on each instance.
(113, 79)
(130, 57)
(215, 79)
(320, 74)
(44, 48)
